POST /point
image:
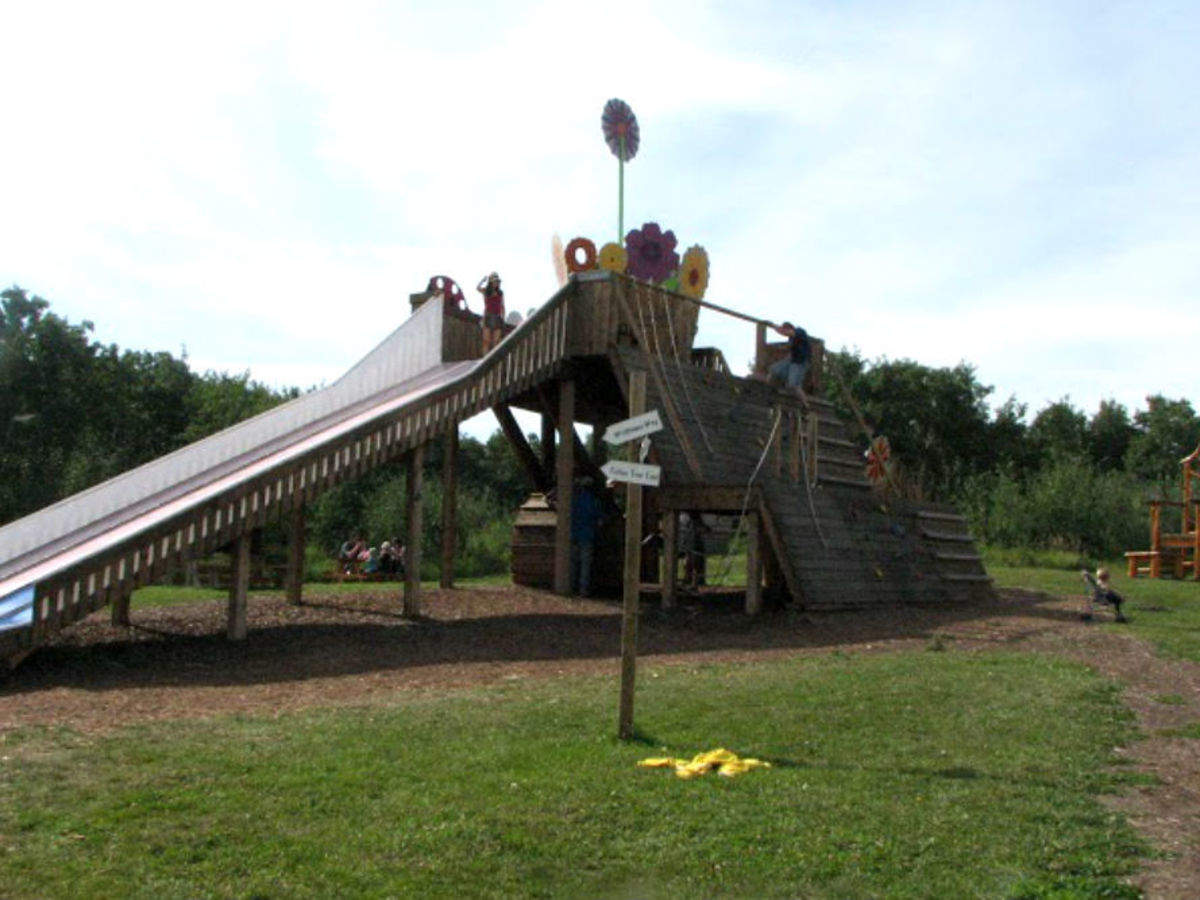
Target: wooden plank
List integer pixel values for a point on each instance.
(449, 508)
(632, 573)
(413, 516)
(239, 585)
(295, 556)
(563, 482)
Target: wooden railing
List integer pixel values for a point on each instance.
(82, 579)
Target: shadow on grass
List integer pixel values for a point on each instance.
(329, 638)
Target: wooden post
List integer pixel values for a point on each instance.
(412, 552)
(295, 557)
(633, 570)
(760, 349)
(753, 564)
(239, 585)
(537, 472)
(449, 508)
(120, 606)
(564, 468)
(670, 578)
(547, 442)
(1195, 539)
(1156, 539)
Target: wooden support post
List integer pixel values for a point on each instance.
(449, 508)
(811, 446)
(760, 349)
(412, 552)
(1156, 540)
(670, 550)
(239, 586)
(120, 606)
(538, 474)
(633, 571)
(564, 467)
(295, 557)
(753, 564)
(547, 441)
(1195, 538)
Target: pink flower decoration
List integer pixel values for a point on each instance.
(652, 255)
(618, 121)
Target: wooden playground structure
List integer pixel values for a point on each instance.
(1175, 553)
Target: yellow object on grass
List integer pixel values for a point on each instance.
(726, 762)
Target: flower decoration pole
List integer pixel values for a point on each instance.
(621, 190)
(622, 135)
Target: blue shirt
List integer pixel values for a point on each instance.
(585, 515)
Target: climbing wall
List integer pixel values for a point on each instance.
(842, 544)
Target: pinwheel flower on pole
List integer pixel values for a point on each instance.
(622, 136)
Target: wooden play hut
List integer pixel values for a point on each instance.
(1174, 553)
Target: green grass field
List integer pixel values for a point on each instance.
(1163, 611)
(917, 775)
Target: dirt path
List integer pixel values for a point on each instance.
(176, 663)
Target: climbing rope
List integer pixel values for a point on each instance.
(727, 563)
(666, 385)
(682, 378)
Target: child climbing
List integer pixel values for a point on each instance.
(1099, 591)
(493, 311)
(790, 370)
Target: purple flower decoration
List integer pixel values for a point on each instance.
(619, 121)
(652, 255)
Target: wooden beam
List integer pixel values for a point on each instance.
(239, 586)
(704, 497)
(564, 477)
(548, 428)
(670, 549)
(412, 552)
(753, 564)
(449, 508)
(633, 571)
(525, 455)
(295, 557)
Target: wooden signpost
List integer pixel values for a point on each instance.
(633, 552)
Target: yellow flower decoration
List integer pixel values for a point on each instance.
(613, 257)
(693, 272)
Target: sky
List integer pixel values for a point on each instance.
(1013, 185)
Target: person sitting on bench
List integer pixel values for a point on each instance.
(1099, 591)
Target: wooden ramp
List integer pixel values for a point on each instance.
(734, 443)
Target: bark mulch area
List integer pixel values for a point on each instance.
(174, 662)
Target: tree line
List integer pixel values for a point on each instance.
(75, 411)
(1060, 478)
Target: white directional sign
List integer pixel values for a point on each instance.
(633, 428)
(637, 473)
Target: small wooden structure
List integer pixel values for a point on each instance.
(1178, 552)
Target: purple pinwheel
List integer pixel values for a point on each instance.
(618, 121)
(652, 255)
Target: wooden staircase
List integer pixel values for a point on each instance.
(840, 543)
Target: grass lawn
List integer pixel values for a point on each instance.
(1164, 611)
(913, 775)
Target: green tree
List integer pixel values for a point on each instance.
(1167, 431)
(1059, 431)
(1110, 432)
